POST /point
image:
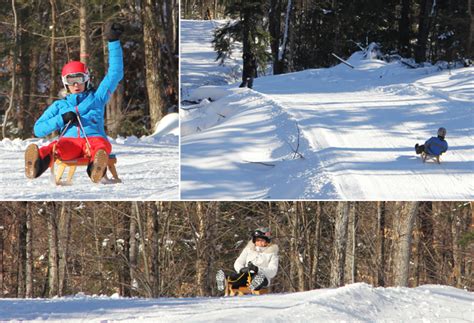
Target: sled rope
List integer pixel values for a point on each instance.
(88, 145)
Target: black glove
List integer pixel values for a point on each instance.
(252, 267)
(244, 270)
(69, 116)
(114, 31)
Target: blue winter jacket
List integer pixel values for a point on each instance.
(435, 146)
(90, 104)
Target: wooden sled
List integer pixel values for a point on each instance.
(74, 163)
(425, 157)
(244, 290)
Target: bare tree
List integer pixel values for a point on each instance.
(339, 245)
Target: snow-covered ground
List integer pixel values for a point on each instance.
(355, 128)
(198, 59)
(148, 167)
(352, 303)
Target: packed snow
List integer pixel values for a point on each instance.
(353, 303)
(148, 167)
(329, 133)
(197, 57)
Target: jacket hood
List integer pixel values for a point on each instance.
(271, 248)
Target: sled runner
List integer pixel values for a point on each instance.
(73, 164)
(244, 290)
(84, 161)
(425, 157)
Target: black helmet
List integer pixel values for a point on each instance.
(442, 132)
(263, 233)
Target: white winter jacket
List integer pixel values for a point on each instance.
(266, 260)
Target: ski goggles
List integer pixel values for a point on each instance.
(76, 78)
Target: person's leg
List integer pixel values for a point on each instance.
(419, 148)
(100, 148)
(259, 281)
(237, 279)
(69, 148)
(37, 160)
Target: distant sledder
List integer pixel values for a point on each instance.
(433, 147)
(255, 267)
(79, 118)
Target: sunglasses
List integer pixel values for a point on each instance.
(76, 78)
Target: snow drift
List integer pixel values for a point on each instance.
(353, 303)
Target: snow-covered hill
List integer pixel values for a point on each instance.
(148, 167)
(353, 303)
(356, 129)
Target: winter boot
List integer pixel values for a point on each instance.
(258, 281)
(419, 149)
(220, 280)
(34, 165)
(96, 170)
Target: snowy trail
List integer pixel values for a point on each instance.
(148, 167)
(358, 131)
(364, 130)
(357, 302)
(198, 57)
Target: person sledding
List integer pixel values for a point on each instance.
(435, 146)
(79, 117)
(258, 263)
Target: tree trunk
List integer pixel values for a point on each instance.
(124, 253)
(350, 266)
(423, 30)
(470, 37)
(317, 244)
(157, 210)
(83, 33)
(249, 59)
(53, 254)
(152, 39)
(29, 254)
(146, 280)
(53, 90)
(201, 249)
(133, 257)
(405, 219)
(380, 243)
(404, 29)
(64, 233)
(2, 248)
(274, 22)
(339, 246)
(13, 79)
(21, 264)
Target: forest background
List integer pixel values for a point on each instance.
(153, 249)
(38, 37)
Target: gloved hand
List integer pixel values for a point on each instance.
(114, 31)
(244, 270)
(252, 267)
(69, 116)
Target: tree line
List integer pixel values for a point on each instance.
(303, 34)
(38, 37)
(153, 249)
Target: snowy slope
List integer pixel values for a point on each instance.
(148, 167)
(355, 303)
(198, 57)
(356, 129)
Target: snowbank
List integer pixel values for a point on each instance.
(353, 303)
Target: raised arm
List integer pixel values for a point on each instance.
(115, 71)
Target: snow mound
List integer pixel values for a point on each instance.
(353, 303)
(169, 124)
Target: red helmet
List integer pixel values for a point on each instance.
(74, 67)
(73, 72)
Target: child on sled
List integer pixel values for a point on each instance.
(79, 117)
(434, 146)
